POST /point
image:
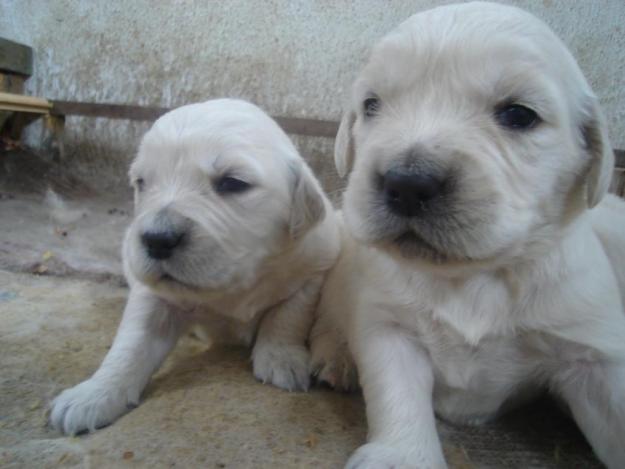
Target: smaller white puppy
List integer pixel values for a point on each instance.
(232, 231)
(489, 262)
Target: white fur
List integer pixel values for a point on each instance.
(249, 271)
(517, 283)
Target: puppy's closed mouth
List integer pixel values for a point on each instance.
(170, 280)
(410, 244)
(410, 237)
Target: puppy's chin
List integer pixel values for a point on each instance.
(414, 251)
(431, 244)
(411, 246)
(168, 284)
(396, 238)
(407, 246)
(164, 282)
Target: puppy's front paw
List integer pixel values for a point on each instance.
(335, 367)
(88, 406)
(379, 456)
(284, 366)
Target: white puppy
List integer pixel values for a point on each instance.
(231, 231)
(477, 151)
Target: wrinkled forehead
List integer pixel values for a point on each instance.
(500, 55)
(213, 145)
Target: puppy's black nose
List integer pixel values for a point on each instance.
(161, 244)
(407, 193)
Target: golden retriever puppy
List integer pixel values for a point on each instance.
(488, 261)
(231, 231)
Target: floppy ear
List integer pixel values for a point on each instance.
(597, 144)
(344, 144)
(307, 207)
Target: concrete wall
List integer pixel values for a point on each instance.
(292, 57)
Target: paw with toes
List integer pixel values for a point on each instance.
(284, 366)
(88, 406)
(335, 367)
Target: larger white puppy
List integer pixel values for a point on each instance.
(232, 231)
(477, 151)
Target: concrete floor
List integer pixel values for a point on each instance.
(61, 297)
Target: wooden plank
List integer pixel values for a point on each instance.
(25, 100)
(11, 83)
(110, 111)
(292, 125)
(15, 58)
(308, 127)
(20, 102)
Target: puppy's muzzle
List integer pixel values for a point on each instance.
(161, 244)
(164, 235)
(407, 193)
(416, 184)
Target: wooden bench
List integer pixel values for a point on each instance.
(21, 110)
(18, 110)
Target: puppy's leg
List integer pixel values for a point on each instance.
(280, 355)
(331, 360)
(147, 333)
(595, 393)
(397, 381)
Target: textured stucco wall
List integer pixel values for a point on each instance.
(292, 57)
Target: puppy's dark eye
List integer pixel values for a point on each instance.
(139, 184)
(371, 106)
(516, 117)
(231, 185)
